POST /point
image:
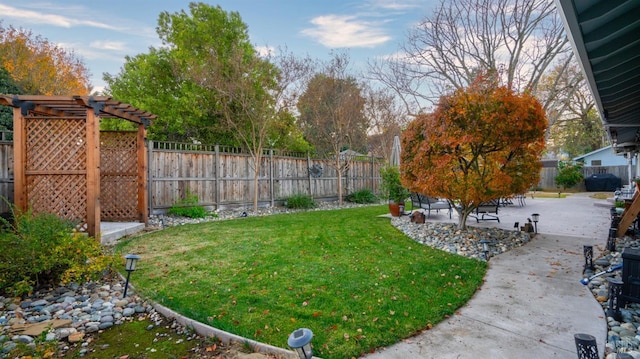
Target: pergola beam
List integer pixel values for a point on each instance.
(63, 106)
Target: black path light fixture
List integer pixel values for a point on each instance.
(615, 294)
(300, 341)
(485, 249)
(535, 218)
(130, 263)
(611, 241)
(588, 257)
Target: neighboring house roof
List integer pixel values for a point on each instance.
(604, 156)
(582, 157)
(350, 153)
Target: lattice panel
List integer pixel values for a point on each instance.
(55, 144)
(118, 176)
(64, 195)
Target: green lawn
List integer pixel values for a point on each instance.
(351, 277)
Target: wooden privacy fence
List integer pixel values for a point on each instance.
(220, 176)
(223, 176)
(548, 174)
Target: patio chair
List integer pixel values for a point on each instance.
(485, 210)
(429, 203)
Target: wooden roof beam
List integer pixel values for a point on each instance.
(27, 106)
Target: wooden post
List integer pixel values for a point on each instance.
(19, 159)
(143, 212)
(371, 183)
(217, 176)
(271, 184)
(630, 214)
(309, 174)
(150, 184)
(92, 123)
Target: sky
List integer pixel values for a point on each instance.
(102, 33)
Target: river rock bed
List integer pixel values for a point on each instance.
(68, 314)
(623, 335)
(447, 237)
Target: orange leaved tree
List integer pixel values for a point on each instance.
(40, 67)
(482, 142)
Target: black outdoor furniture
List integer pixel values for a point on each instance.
(419, 200)
(487, 211)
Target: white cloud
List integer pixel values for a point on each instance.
(36, 17)
(265, 51)
(99, 90)
(92, 52)
(396, 5)
(339, 31)
(73, 17)
(109, 45)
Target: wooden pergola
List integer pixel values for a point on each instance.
(62, 165)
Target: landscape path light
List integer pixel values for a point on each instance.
(588, 257)
(130, 263)
(300, 341)
(611, 241)
(485, 248)
(535, 217)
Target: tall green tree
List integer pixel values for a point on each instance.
(242, 84)
(162, 81)
(332, 114)
(284, 133)
(147, 81)
(481, 143)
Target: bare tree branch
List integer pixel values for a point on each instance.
(519, 39)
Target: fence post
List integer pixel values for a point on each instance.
(346, 176)
(150, 180)
(309, 174)
(372, 178)
(271, 191)
(216, 176)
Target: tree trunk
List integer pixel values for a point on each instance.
(255, 191)
(463, 214)
(256, 174)
(339, 175)
(339, 172)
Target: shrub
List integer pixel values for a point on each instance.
(362, 196)
(188, 207)
(569, 175)
(42, 248)
(391, 185)
(300, 201)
